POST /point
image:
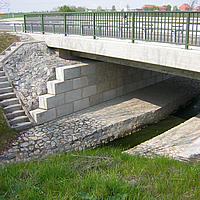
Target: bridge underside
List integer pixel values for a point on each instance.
(164, 58)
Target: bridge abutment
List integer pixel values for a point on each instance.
(84, 85)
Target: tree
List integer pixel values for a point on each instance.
(99, 8)
(66, 9)
(146, 8)
(168, 8)
(175, 8)
(155, 8)
(113, 8)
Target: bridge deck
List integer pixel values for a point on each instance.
(164, 58)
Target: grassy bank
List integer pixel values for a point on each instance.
(102, 173)
(6, 40)
(7, 135)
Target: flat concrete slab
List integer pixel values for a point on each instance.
(180, 142)
(192, 149)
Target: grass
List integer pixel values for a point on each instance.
(102, 173)
(7, 135)
(6, 40)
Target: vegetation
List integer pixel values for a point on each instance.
(7, 135)
(6, 40)
(71, 9)
(103, 173)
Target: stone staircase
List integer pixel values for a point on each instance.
(13, 110)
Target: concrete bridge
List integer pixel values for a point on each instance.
(116, 38)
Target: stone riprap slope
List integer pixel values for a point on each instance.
(29, 68)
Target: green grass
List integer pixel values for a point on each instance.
(6, 40)
(111, 175)
(7, 135)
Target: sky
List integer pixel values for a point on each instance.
(44, 5)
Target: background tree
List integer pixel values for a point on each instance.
(66, 9)
(99, 8)
(113, 8)
(168, 8)
(154, 8)
(175, 8)
(146, 8)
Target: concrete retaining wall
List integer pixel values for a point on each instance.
(83, 85)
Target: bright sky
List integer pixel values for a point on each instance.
(43, 5)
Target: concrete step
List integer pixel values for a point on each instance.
(2, 57)
(3, 79)
(6, 90)
(22, 126)
(12, 108)
(15, 114)
(8, 52)
(8, 102)
(5, 84)
(7, 96)
(2, 73)
(13, 48)
(19, 119)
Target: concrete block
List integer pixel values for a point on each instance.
(81, 104)
(89, 91)
(80, 82)
(119, 82)
(127, 80)
(102, 87)
(89, 69)
(146, 74)
(93, 79)
(57, 87)
(49, 101)
(120, 71)
(109, 94)
(64, 109)
(95, 99)
(132, 87)
(40, 116)
(66, 54)
(111, 74)
(151, 81)
(113, 84)
(73, 95)
(121, 90)
(142, 84)
(159, 78)
(68, 72)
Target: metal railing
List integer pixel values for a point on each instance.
(170, 27)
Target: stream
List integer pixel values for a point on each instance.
(182, 114)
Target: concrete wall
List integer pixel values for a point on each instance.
(164, 58)
(83, 85)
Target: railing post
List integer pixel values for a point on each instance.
(133, 27)
(187, 31)
(24, 23)
(42, 19)
(65, 27)
(94, 34)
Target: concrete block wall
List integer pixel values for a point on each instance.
(83, 85)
